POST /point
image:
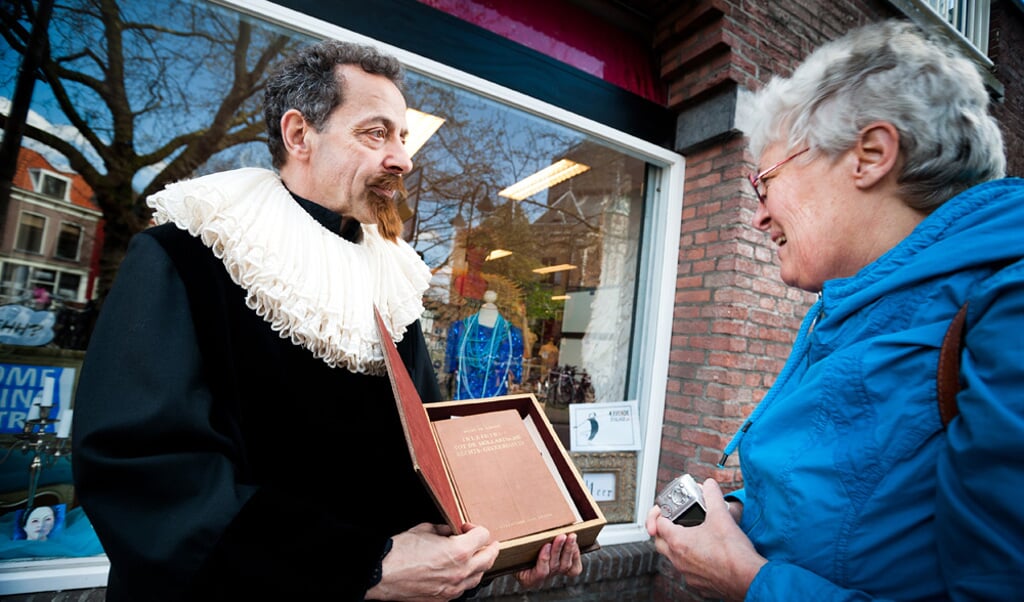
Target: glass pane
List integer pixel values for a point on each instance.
(14, 282)
(68, 285)
(562, 260)
(30, 233)
(54, 187)
(67, 241)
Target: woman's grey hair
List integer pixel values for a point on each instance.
(308, 82)
(889, 71)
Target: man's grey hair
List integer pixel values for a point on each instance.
(893, 72)
(308, 82)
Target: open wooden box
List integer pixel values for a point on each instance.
(518, 553)
(521, 552)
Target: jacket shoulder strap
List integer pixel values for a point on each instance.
(948, 379)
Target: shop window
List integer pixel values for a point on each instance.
(19, 280)
(69, 285)
(30, 233)
(69, 241)
(14, 282)
(523, 212)
(529, 247)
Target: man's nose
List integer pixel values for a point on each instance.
(398, 160)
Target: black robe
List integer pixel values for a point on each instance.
(217, 460)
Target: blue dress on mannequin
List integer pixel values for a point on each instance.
(483, 357)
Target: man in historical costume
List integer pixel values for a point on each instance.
(235, 386)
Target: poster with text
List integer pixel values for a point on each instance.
(21, 384)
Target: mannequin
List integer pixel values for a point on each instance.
(488, 313)
(483, 352)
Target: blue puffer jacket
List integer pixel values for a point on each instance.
(853, 490)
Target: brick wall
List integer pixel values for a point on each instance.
(1006, 39)
(734, 319)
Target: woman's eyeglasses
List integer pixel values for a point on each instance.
(758, 181)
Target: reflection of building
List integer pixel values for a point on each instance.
(592, 224)
(581, 212)
(50, 236)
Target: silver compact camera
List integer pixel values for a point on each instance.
(682, 502)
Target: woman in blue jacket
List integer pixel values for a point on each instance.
(882, 185)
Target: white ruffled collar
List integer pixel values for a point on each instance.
(309, 283)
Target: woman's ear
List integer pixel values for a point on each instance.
(877, 152)
(294, 130)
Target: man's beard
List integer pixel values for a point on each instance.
(389, 223)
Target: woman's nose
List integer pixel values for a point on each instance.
(762, 219)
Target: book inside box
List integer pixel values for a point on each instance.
(489, 433)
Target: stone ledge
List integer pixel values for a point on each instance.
(621, 573)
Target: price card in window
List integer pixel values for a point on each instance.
(612, 426)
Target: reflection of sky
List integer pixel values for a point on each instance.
(170, 91)
(482, 147)
(513, 142)
(477, 129)
(71, 134)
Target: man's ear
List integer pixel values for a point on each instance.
(877, 152)
(294, 130)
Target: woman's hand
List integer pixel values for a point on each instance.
(716, 558)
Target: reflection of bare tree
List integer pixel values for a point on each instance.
(479, 151)
(162, 86)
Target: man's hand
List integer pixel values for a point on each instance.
(429, 564)
(559, 557)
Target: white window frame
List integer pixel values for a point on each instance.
(39, 177)
(42, 239)
(32, 270)
(79, 291)
(967, 28)
(78, 243)
(965, 21)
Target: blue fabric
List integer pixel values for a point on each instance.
(853, 490)
(483, 358)
(14, 472)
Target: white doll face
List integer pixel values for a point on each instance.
(40, 523)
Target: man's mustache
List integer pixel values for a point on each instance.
(391, 182)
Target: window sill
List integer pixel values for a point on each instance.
(52, 574)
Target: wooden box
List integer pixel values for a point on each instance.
(520, 552)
